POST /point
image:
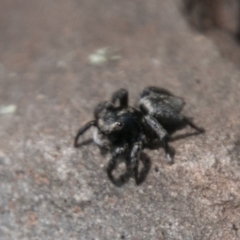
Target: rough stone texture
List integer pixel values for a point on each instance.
(48, 189)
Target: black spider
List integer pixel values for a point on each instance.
(125, 130)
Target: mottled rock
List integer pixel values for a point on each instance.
(49, 190)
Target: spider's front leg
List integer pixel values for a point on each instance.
(135, 154)
(83, 130)
(122, 96)
(161, 133)
(113, 161)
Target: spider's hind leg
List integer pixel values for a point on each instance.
(193, 125)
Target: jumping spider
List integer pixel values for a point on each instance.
(123, 129)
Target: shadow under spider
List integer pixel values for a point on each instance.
(172, 130)
(182, 136)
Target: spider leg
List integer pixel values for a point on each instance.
(122, 96)
(191, 124)
(112, 162)
(99, 108)
(135, 154)
(174, 118)
(161, 133)
(105, 105)
(82, 130)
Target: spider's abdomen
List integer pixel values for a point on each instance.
(165, 108)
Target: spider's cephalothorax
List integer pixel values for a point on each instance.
(123, 129)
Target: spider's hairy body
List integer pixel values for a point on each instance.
(123, 129)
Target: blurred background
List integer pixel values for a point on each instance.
(59, 59)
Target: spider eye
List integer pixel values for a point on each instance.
(119, 124)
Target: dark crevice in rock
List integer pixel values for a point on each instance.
(219, 20)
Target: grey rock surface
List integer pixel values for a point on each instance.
(48, 189)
